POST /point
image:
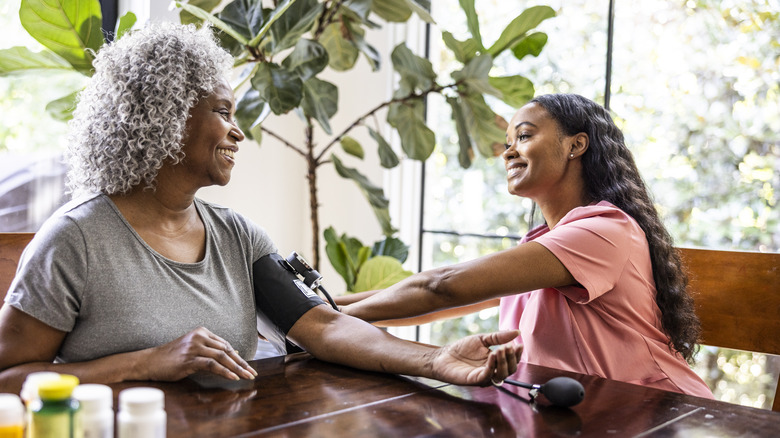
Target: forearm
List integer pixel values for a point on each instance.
(106, 370)
(417, 295)
(337, 338)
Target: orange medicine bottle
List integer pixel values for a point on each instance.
(11, 416)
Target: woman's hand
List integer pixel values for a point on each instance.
(470, 361)
(197, 351)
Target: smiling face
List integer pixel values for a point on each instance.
(537, 155)
(210, 138)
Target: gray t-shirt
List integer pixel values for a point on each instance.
(87, 272)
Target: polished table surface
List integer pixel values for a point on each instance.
(298, 396)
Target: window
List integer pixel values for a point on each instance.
(32, 142)
(694, 86)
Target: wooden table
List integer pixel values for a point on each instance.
(298, 396)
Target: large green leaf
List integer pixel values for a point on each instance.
(251, 110)
(392, 247)
(472, 20)
(320, 101)
(342, 52)
(387, 157)
(20, 59)
(516, 91)
(296, 21)
(307, 59)
(67, 28)
(62, 109)
(372, 55)
(375, 195)
(465, 151)
(246, 17)
(275, 15)
(475, 75)
(421, 8)
(346, 255)
(394, 11)
(416, 71)
(352, 147)
(482, 124)
(516, 30)
(124, 24)
(463, 50)
(281, 88)
(530, 45)
(213, 19)
(417, 140)
(380, 272)
(207, 5)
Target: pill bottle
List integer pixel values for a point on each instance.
(29, 393)
(54, 414)
(11, 416)
(96, 410)
(141, 413)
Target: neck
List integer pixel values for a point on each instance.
(163, 208)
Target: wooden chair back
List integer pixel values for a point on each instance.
(737, 298)
(11, 247)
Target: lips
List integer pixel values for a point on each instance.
(515, 169)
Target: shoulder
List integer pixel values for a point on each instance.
(600, 216)
(228, 221)
(73, 217)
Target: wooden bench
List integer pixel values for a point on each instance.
(737, 294)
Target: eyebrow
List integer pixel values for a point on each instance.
(525, 123)
(225, 101)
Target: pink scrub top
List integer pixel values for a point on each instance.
(610, 326)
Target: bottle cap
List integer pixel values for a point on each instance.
(30, 385)
(59, 389)
(93, 397)
(11, 410)
(141, 400)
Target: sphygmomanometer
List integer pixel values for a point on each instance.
(284, 289)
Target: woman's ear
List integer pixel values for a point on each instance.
(579, 144)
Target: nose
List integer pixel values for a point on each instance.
(237, 133)
(510, 152)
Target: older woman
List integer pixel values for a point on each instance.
(137, 279)
(606, 292)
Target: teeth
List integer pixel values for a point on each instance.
(226, 152)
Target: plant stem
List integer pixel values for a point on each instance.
(285, 142)
(314, 205)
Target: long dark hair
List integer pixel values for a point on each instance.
(611, 175)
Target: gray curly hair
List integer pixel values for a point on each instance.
(131, 116)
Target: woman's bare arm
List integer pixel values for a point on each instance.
(520, 269)
(338, 338)
(28, 345)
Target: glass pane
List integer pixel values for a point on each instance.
(695, 89)
(475, 200)
(32, 172)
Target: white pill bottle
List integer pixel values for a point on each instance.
(141, 413)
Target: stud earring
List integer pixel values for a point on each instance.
(571, 155)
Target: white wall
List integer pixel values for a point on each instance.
(269, 184)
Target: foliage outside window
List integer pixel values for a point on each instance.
(695, 87)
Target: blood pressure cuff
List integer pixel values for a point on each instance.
(280, 295)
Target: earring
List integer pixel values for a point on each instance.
(571, 155)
